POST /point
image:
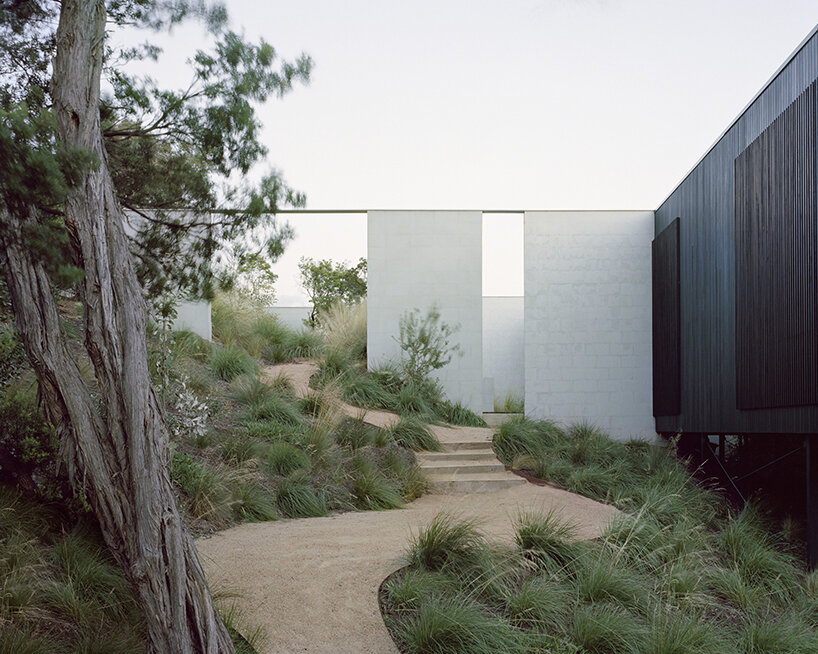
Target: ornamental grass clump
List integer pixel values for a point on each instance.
(414, 434)
(227, 363)
(674, 573)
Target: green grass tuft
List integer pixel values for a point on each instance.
(413, 434)
(297, 498)
(229, 362)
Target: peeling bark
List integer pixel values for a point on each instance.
(116, 454)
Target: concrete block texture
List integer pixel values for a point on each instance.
(588, 338)
(194, 316)
(417, 259)
(503, 349)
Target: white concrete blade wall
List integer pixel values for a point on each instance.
(194, 316)
(588, 332)
(417, 259)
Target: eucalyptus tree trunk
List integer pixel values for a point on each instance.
(117, 455)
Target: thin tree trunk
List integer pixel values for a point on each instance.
(119, 456)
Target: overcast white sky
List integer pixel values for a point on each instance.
(516, 104)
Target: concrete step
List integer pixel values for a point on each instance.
(461, 467)
(464, 455)
(486, 482)
(460, 445)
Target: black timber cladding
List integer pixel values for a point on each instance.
(705, 202)
(776, 330)
(666, 322)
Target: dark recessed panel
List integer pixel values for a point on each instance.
(666, 323)
(776, 304)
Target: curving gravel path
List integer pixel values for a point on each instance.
(312, 584)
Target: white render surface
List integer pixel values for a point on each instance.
(588, 319)
(194, 316)
(417, 259)
(292, 317)
(503, 349)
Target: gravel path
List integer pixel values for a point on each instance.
(312, 584)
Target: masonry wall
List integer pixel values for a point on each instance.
(503, 349)
(588, 319)
(194, 316)
(292, 317)
(417, 259)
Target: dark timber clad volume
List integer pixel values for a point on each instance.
(776, 331)
(666, 343)
(747, 268)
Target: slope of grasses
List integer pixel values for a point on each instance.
(675, 574)
(244, 448)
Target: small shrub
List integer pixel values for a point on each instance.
(425, 344)
(229, 362)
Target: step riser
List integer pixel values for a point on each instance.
(463, 469)
(472, 456)
(489, 486)
(459, 446)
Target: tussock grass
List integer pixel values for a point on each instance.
(414, 434)
(446, 542)
(372, 490)
(298, 498)
(673, 574)
(451, 626)
(456, 414)
(546, 538)
(207, 496)
(229, 362)
(344, 329)
(284, 458)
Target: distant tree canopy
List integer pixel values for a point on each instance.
(179, 159)
(327, 282)
(70, 159)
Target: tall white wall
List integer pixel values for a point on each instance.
(194, 316)
(292, 317)
(588, 319)
(417, 259)
(503, 349)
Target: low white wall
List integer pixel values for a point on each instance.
(503, 349)
(588, 319)
(292, 317)
(194, 317)
(417, 259)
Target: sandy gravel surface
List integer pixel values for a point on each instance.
(312, 584)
